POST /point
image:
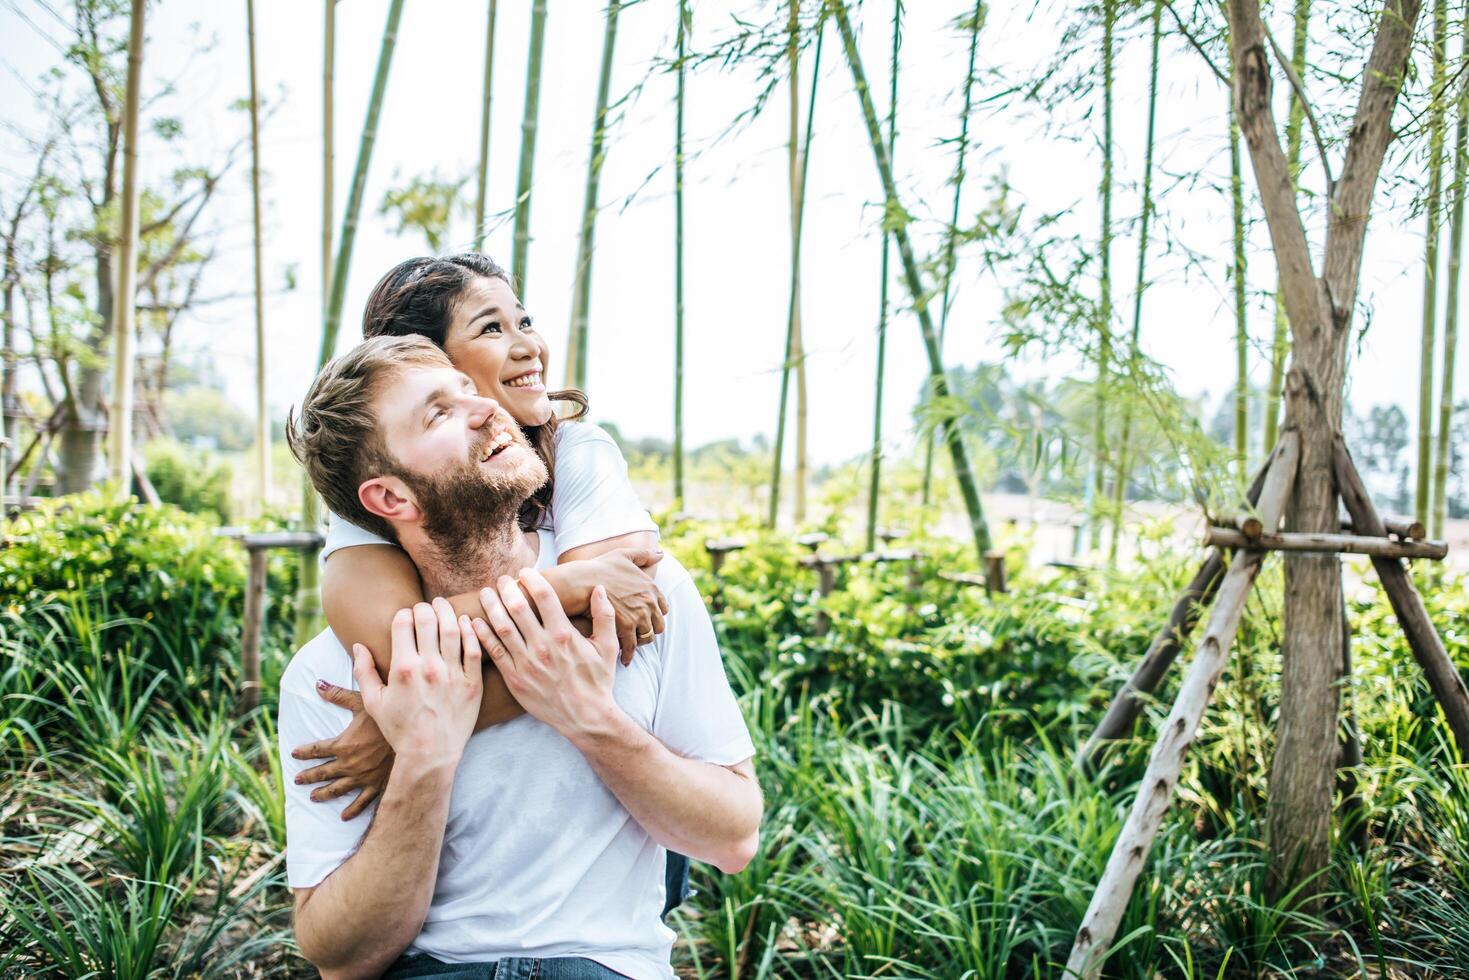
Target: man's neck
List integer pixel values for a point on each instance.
(501, 552)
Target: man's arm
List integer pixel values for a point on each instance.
(361, 918)
(706, 811)
(367, 911)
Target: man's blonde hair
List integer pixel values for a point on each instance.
(337, 437)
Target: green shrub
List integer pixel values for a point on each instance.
(199, 482)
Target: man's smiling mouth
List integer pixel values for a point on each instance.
(498, 444)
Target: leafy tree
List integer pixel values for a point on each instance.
(427, 204)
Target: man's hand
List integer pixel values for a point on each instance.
(359, 759)
(428, 707)
(559, 676)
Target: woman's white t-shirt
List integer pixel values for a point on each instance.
(591, 498)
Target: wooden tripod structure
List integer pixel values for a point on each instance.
(1227, 590)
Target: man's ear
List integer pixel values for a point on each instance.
(389, 498)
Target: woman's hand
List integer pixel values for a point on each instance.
(625, 573)
(361, 757)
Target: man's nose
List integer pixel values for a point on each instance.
(481, 410)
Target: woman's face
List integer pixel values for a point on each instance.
(491, 340)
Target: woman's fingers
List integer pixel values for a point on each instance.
(333, 790)
(320, 774)
(339, 696)
(325, 749)
(360, 804)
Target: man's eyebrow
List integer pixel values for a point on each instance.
(433, 396)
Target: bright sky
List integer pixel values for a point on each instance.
(736, 200)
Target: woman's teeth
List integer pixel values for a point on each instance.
(525, 381)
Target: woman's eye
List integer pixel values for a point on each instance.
(526, 324)
(490, 327)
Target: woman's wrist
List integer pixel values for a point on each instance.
(573, 585)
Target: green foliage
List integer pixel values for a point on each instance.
(195, 481)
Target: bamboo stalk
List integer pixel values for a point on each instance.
(262, 421)
(1422, 500)
(482, 191)
(1096, 485)
(576, 355)
(951, 234)
(795, 294)
(1451, 308)
(1241, 325)
(1119, 491)
(124, 310)
(1294, 126)
(963, 474)
(528, 126)
(797, 355)
(684, 26)
(328, 152)
(308, 599)
(1159, 781)
(1349, 544)
(1427, 646)
(875, 476)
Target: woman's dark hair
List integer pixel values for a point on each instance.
(418, 297)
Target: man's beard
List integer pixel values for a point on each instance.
(468, 507)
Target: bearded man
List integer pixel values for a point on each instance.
(534, 848)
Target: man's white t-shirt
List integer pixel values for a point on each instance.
(591, 498)
(539, 858)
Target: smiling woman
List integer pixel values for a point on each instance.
(600, 532)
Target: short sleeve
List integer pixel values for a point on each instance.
(318, 840)
(344, 534)
(591, 498)
(696, 714)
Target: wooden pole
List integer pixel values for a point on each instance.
(1349, 544)
(1199, 592)
(1155, 791)
(678, 307)
(254, 627)
(124, 310)
(1428, 649)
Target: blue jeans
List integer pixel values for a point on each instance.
(513, 968)
(676, 882)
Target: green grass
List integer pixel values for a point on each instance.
(923, 817)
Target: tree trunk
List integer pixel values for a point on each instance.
(684, 26)
(120, 469)
(874, 489)
(262, 420)
(1422, 499)
(482, 193)
(1320, 312)
(939, 384)
(792, 307)
(1124, 465)
(576, 353)
(1295, 123)
(1451, 308)
(528, 125)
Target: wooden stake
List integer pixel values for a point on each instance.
(1350, 544)
(1428, 649)
(1151, 669)
(254, 627)
(1161, 778)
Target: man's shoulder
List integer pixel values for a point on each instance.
(321, 658)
